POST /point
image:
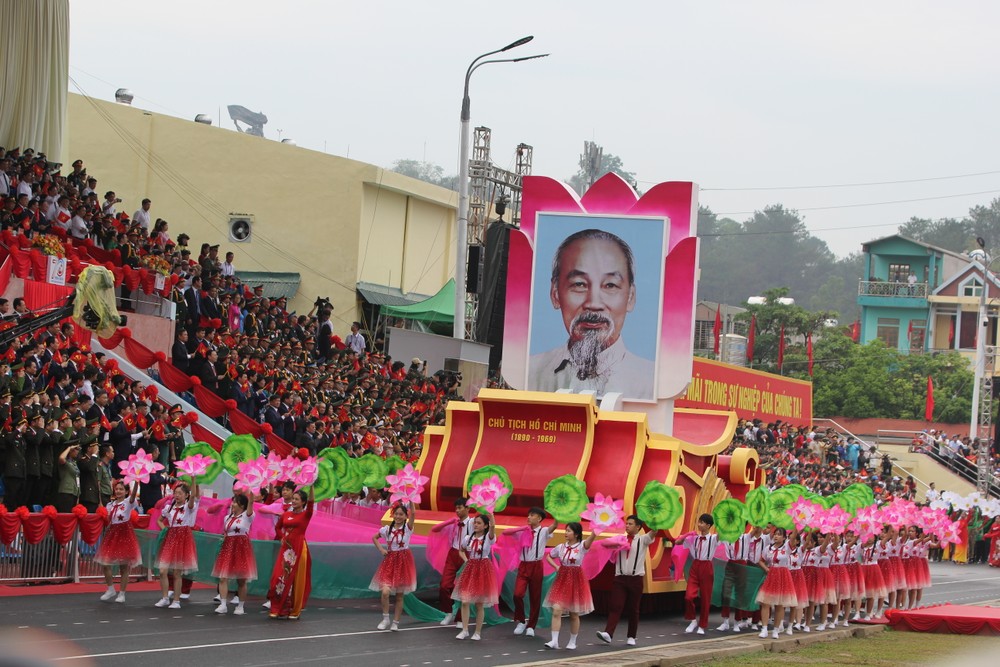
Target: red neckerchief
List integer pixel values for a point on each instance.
(232, 519)
(570, 554)
(176, 510)
(476, 546)
(397, 534)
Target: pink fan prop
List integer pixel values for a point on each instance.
(252, 475)
(604, 513)
(486, 494)
(138, 468)
(195, 465)
(406, 485)
(275, 467)
(804, 513)
(833, 520)
(867, 522)
(304, 472)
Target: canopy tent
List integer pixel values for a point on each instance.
(436, 310)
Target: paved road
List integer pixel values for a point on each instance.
(341, 633)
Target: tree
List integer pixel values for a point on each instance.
(425, 171)
(949, 233)
(771, 318)
(594, 163)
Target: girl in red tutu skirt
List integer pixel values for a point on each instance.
(875, 588)
(396, 574)
(841, 580)
(852, 561)
(913, 554)
(119, 546)
(795, 557)
(236, 559)
(825, 588)
(778, 589)
(884, 554)
(178, 554)
(477, 582)
(895, 550)
(571, 590)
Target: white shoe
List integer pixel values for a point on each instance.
(571, 645)
(266, 605)
(217, 598)
(475, 637)
(222, 608)
(755, 627)
(789, 631)
(459, 624)
(462, 635)
(821, 627)
(701, 631)
(846, 623)
(170, 595)
(185, 596)
(235, 600)
(520, 628)
(736, 627)
(745, 623)
(604, 637)
(763, 634)
(692, 626)
(162, 603)
(175, 605)
(394, 627)
(781, 627)
(857, 616)
(725, 626)
(384, 623)
(774, 635)
(630, 641)
(552, 644)
(448, 619)
(806, 628)
(239, 610)
(120, 598)
(108, 594)
(530, 632)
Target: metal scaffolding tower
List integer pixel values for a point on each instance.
(985, 426)
(487, 182)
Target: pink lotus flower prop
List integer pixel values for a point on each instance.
(833, 520)
(803, 512)
(604, 512)
(195, 465)
(486, 494)
(898, 513)
(950, 534)
(304, 472)
(275, 467)
(138, 468)
(867, 522)
(406, 485)
(252, 475)
(617, 542)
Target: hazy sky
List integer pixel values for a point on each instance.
(731, 95)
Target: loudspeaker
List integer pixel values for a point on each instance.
(474, 270)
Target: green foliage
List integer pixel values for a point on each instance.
(588, 173)
(958, 234)
(425, 171)
(796, 320)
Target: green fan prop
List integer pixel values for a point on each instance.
(239, 449)
(205, 449)
(796, 489)
(394, 463)
(565, 498)
(730, 519)
(779, 501)
(846, 501)
(757, 508)
(351, 482)
(372, 470)
(340, 459)
(659, 505)
(480, 475)
(862, 493)
(325, 485)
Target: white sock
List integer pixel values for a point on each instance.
(572, 639)
(555, 636)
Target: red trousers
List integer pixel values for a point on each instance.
(699, 585)
(451, 567)
(626, 593)
(529, 579)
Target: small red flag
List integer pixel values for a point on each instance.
(781, 347)
(717, 329)
(951, 333)
(751, 337)
(929, 405)
(856, 331)
(809, 352)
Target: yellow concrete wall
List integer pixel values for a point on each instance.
(333, 220)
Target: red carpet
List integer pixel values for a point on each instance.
(68, 589)
(948, 618)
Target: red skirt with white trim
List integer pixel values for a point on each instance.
(477, 583)
(898, 571)
(570, 591)
(397, 572)
(801, 586)
(841, 581)
(888, 575)
(178, 551)
(874, 581)
(925, 572)
(857, 580)
(822, 589)
(119, 546)
(778, 589)
(914, 573)
(235, 559)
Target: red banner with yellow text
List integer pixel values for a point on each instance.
(750, 394)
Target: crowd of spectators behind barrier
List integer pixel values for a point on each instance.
(960, 453)
(291, 371)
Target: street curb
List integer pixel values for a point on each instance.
(706, 650)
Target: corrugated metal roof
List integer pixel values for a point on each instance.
(381, 295)
(276, 284)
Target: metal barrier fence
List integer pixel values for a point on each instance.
(49, 561)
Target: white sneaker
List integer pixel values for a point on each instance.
(857, 616)
(736, 627)
(222, 608)
(755, 627)
(235, 600)
(630, 641)
(448, 619)
(789, 631)
(170, 595)
(520, 628)
(462, 635)
(725, 626)
(781, 627)
(394, 627)
(806, 628)
(604, 637)
(175, 605)
(530, 632)
(763, 634)
(239, 610)
(108, 594)
(701, 631)
(162, 603)
(774, 635)
(821, 627)
(846, 623)
(459, 624)
(552, 644)
(120, 598)
(692, 626)
(267, 604)
(475, 637)
(384, 623)
(217, 598)
(571, 645)
(185, 596)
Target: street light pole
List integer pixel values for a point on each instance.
(462, 237)
(982, 390)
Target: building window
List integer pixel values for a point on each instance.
(970, 326)
(899, 272)
(888, 332)
(972, 288)
(918, 331)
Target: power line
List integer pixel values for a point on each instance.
(876, 203)
(852, 185)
